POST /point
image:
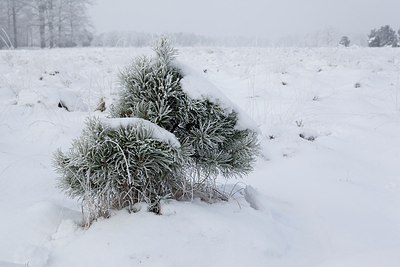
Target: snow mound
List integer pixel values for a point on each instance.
(156, 131)
(6, 95)
(197, 87)
(51, 98)
(250, 195)
(34, 256)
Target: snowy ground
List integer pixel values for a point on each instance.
(333, 200)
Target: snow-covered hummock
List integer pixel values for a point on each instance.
(51, 97)
(198, 87)
(156, 131)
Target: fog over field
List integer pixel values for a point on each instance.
(265, 19)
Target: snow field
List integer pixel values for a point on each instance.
(328, 198)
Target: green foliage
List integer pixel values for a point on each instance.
(118, 167)
(151, 89)
(218, 147)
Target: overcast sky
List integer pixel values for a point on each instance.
(263, 18)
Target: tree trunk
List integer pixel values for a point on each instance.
(71, 23)
(59, 26)
(51, 23)
(8, 16)
(42, 25)
(14, 19)
(72, 32)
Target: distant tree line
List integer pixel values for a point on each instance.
(66, 23)
(44, 23)
(140, 39)
(383, 37)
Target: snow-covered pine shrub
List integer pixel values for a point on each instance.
(119, 162)
(344, 41)
(152, 89)
(160, 142)
(383, 37)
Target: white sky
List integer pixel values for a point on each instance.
(263, 18)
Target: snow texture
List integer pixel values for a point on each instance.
(334, 201)
(156, 131)
(198, 87)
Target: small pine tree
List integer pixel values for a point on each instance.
(344, 41)
(373, 39)
(151, 89)
(116, 167)
(398, 34)
(383, 37)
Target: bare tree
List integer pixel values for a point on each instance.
(77, 21)
(41, 8)
(10, 12)
(46, 23)
(50, 21)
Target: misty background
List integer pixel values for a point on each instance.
(285, 22)
(69, 23)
